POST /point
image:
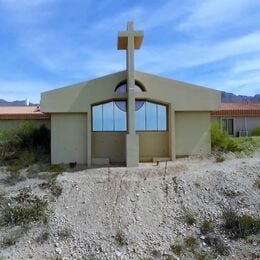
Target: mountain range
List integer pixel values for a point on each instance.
(230, 97)
(17, 103)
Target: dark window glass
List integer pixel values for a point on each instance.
(228, 125)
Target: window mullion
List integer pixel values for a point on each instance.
(113, 116)
(157, 117)
(102, 123)
(145, 116)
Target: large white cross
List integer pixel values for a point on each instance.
(130, 40)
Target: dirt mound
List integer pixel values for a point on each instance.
(147, 213)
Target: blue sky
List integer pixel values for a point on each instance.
(45, 44)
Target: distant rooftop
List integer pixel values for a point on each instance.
(239, 109)
(22, 112)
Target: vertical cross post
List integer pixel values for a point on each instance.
(130, 40)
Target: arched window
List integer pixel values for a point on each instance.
(122, 87)
(110, 116)
(150, 116)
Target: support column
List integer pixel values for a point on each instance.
(172, 132)
(132, 140)
(89, 127)
(130, 40)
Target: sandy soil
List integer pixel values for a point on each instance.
(136, 213)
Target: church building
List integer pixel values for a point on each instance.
(129, 116)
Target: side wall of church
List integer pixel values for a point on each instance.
(192, 133)
(69, 138)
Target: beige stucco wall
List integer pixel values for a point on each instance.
(14, 124)
(78, 98)
(153, 144)
(111, 145)
(179, 97)
(192, 133)
(69, 138)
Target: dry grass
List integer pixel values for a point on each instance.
(189, 217)
(120, 238)
(240, 226)
(24, 209)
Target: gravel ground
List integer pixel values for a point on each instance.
(139, 213)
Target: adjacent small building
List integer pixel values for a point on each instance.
(238, 119)
(12, 117)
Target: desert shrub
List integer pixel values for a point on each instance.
(206, 226)
(57, 168)
(189, 217)
(64, 233)
(56, 190)
(220, 158)
(191, 242)
(24, 145)
(177, 249)
(218, 137)
(256, 132)
(2, 198)
(217, 244)
(9, 240)
(240, 226)
(13, 236)
(120, 238)
(42, 237)
(257, 183)
(23, 209)
(220, 141)
(51, 184)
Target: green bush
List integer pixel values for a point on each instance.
(219, 138)
(25, 145)
(240, 226)
(220, 141)
(256, 132)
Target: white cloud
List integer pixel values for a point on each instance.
(247, 65)
(171, 57)
(212, 13)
